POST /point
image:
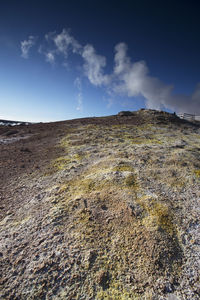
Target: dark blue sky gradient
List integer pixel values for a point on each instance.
(165, 34)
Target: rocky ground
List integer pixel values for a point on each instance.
(100, 208)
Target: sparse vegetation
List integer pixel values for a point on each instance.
(113, 214)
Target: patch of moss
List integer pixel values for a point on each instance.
(117, 292)
(130, 181)
(11, 222)
(159, 215)
(145, 141)
(61, 163)
(65, 142)
(23, 221)
(91, 127)
(78, 156)
(197, 173)
(122, 167)
(87, 185)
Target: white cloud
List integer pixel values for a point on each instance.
(61, 44)
(93, 66)
(26, 45)
(65, 42)
(49, 54)
(50, 57)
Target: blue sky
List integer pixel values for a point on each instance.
(63, 60)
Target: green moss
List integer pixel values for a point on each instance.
(128, 136)
(91, 127)
(78, 156)
(159, 215)
(61, 163)
(23, 221)
(116, 292)
(164, 218)
(130, 181)
(197, 173)
(87, 185)
(123, 167)
(12, 222)
(145, 141)
(65, 142)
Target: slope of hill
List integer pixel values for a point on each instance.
(101, 208)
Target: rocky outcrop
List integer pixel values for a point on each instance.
(125, 113)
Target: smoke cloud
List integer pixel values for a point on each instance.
(130, 79)
(133, 79)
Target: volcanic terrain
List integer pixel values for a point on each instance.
(100, 208)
